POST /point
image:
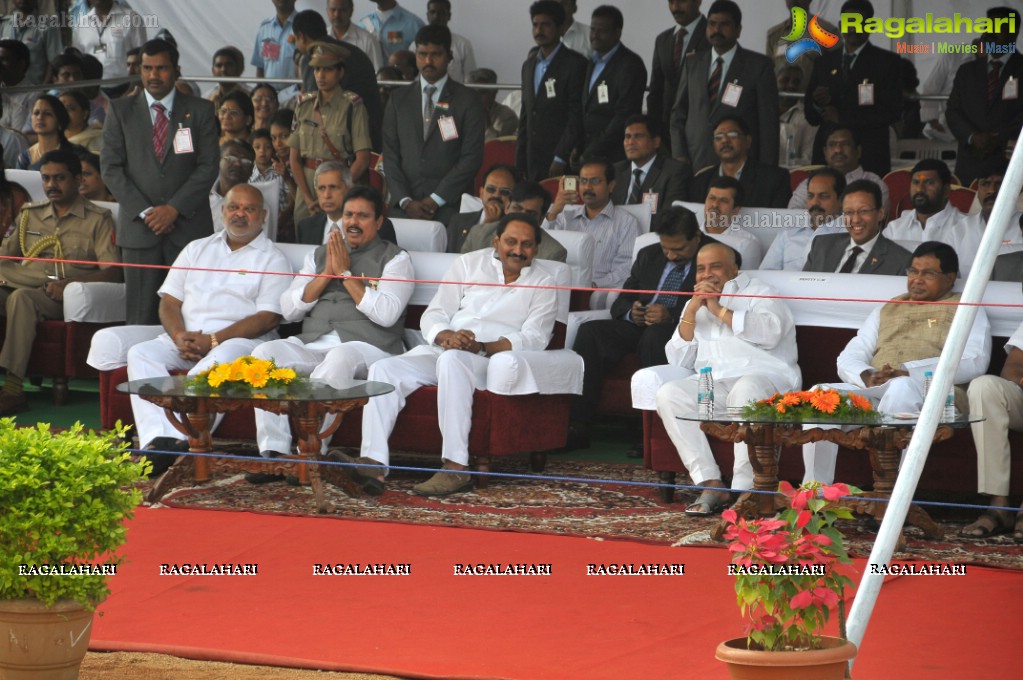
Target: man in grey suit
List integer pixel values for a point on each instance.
(495, 191)
(646, 176)
(671, 49)
(160, 158)
(433, 135)
(864, 250)
(724, 81)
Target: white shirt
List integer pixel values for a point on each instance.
(577, 37)
(365, 41)
(1012, 240)
(761, 339)
(748, 245)
(799, 196)
(791, 246)
(940, 82)
(382, 305)
(212, 300)
(948, 225)
(110, 41)
(523, 316)
(857, 355)
(615, 233)
(463, 59)
(1016, 340)
(168, 104)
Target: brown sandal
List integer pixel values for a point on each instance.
(999, 524)
(1017, 531)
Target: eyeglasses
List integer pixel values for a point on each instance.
(234, 160)
(862, 212)
(491, 189)
(732, 134)
(926, 274)
(591, 181)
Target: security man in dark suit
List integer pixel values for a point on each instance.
(859, 87)
(615, 81)
(671, 48)
(433, 135)
(646, 176)
(640, 322)
(864, 250)
(550, 124)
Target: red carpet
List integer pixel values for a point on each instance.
(433, 624)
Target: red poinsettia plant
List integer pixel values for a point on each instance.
(787, 569)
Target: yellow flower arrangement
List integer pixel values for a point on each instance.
(244, 373)
(812, 405)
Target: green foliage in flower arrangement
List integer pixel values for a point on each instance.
(64, 498)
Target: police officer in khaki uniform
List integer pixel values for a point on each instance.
(65, 227)
(330, 124)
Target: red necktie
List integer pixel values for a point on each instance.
(160, 127)
(676, 54)
(993, 81)
(714, 84)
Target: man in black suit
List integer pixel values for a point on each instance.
(863, 250)
(359, 75)
(332, 180)
(550, 123)
(726, 80)
(615, 80)
(660, 180)
(859, 87)
(671, 48)
(763, 185)
(433, 135)
(163, 194)
(640, 322)
(985, 109)
(495, 192)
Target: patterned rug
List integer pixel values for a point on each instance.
(571, 498)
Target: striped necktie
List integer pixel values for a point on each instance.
(714, 84)
(160, 127)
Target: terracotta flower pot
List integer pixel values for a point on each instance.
(828, 663)
(43, 643)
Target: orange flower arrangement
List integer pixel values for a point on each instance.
(811, 405)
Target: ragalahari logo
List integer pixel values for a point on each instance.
(818, 36)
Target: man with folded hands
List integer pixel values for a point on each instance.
(347, 323)
(475, 314)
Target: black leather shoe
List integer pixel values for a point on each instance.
(162, 461)
(265, 477)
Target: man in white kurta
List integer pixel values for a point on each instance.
(340, 343)
(998, 402)
(933, 217)
(464, 325)
(750, 345)
(898, 342)
(211, 317)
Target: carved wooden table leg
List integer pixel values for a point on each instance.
(195, 426)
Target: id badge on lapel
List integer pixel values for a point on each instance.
(183, 140)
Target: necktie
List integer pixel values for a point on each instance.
(993, 82)
(847, 268)
(637, 182)
(330, 230)
(714, 84)
(672, 282)
(160, 127)
(676, 53)
(847, 62)
(428, 107)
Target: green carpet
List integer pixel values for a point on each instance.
(82, 405)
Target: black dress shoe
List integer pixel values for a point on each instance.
(162, 461)
(269, 477)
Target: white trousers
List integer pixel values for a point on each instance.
(1000, 403)
(456, 373)
(157, 358)
(904, 395)
(337, 366)
(678, 398)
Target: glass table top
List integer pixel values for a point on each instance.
(723, 415)
(305, 390)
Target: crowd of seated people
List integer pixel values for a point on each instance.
(713, 130)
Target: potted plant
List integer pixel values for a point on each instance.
(789, 576)
(63, 501)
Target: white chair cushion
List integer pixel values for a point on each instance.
(94, 302)
(423, 235)
(109, 349)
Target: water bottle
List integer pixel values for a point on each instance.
(928, 379)
(949, 414)
(705, 394)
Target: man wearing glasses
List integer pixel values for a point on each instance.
(864, 250)
(530, 199)
(646, 176)
(494, 192)
(898, 342)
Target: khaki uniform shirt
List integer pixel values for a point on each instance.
(86, 232)
(308, 128)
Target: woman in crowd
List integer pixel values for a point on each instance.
(264, 105)
(78, 130)
(235, 116)
(92, 185)
(49, 121)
